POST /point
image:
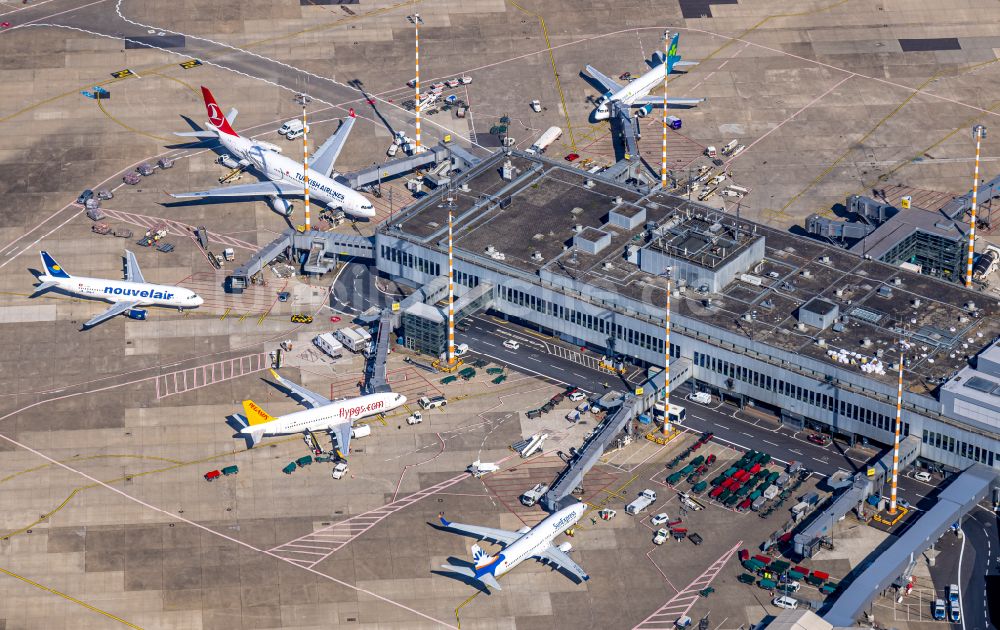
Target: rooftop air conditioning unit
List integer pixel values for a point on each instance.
(537, 257)
(618, 199)
(577, 228)
(589, 183)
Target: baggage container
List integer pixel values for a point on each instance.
(230, 470)
(212, 475)
(289, 469)
(304, 461)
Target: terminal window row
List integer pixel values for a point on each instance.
(598, 324)
(950, 444)
(804, 394)
(405, 259)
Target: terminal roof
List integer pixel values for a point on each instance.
(528, 223)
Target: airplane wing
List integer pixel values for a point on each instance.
(610, 85)
(326, 156)
(132, 271)
(342, 432)
(306, 397)
(500, 536)
(658, 101)
(117, 309)
(197, 134)
(561, 559)
(260, 189)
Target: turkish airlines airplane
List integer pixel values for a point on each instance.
(322, 414)
(285, 176)
(535, 542)
(126, 294)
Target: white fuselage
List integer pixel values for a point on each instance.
(144, 293)
(336, 413)
(279, 168)
(537, 539)
(635, 89)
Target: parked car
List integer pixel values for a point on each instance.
(939, 611)
(659, 519)
(661, 536)
(696, 539)
(955, 614)
(334, 319)
(922, 475)
(510, 344)
(339, 470)
(572, 157)
(299, 318)
(818, 438)
(785, 602)
(283, 296)
(85, 196)
(577, 396)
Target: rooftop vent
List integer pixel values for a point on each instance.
(608, 266)
(824, 259)
(589, 183)
(806, 273)
(916, 302)
(866, 342)
(577, 228)
(576, 211)
(538, 237)
(970, 305)
(885, 291)
(537, 257)
(465, 187)
(897, 281)
(618, 200)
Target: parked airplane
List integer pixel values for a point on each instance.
(285, 175)
(634, 94)
(525, 543)
(322, 414)
(126, 294)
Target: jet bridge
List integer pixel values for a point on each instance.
(559, 494)
(323, 249)
(375, 376)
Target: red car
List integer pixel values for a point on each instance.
(4, 24)
(572, 157)
(818, 438)
(334, 319)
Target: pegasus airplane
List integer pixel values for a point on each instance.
(535, 542)
(126, 294)
(635, 93)
(321, 414)
(285, 176)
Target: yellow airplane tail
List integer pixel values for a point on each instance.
(254, 414)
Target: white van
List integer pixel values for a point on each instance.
(295, 123)
(329, 344)
(432, 403)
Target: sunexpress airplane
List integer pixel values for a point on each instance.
(126, 294)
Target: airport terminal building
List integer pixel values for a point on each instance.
(787, 323)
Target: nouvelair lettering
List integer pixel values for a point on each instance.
(144, 293)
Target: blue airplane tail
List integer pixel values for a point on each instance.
(53, 268)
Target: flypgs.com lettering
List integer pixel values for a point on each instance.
(351, 412)
(145, 293)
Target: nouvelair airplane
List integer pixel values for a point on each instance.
(126, 294)
(322, 414)
(535, 542)
(285, 175)
(634, 94)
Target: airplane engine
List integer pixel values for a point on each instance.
(267, 146)
(565, 547)
(280, 205)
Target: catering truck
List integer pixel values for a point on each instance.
(646, 498)
(545, 140)
(354, 339)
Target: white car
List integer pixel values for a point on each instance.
(536, 106)
(577, 396)
(659, 519)
(661, 536)
(785, 602)
(339, 470)
(922, 475)
(510, 344)
(415, 418)
(791, 587)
